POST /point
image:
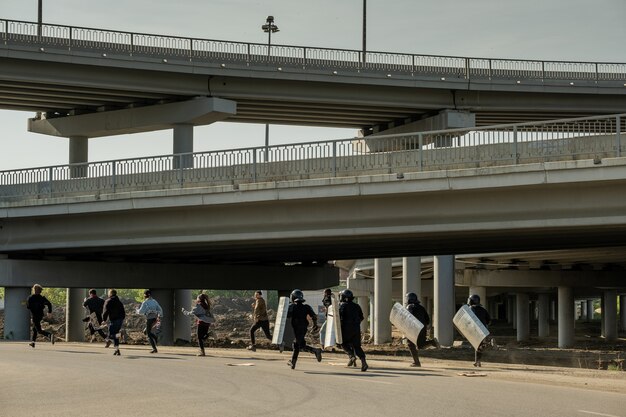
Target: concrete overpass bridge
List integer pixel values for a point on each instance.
(524, 187)
(509, 188)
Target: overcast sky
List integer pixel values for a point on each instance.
(580, 30)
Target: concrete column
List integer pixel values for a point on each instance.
(411, 277)
(622, 311)
(444, 299)
(509, 310)
(553, 310)
(482, 293)
(364, 303)
(182, 323)
(382, 300)
(609, 315)
(165, 298)
(543, 307)
(514, 311)
(590, 310)
(602, 323)
(78, 154)
(183, 144)
(566, 317)
(523, 317)
(74, 314)
(16, 316)
(583, 310)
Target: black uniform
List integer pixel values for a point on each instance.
(420, 313)
(298, 312)
(113, 311)
(95, 305)
(483, 316)
(351, 317)
(36, 303)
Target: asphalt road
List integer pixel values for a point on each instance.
(87, 380)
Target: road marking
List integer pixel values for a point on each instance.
(370, 380)
(597, 414)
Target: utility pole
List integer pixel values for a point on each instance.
(269, 27)
(364, 28)
(39, 17)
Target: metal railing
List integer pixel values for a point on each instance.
(558, 140)
(189, 50)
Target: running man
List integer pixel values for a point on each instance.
(36, 303)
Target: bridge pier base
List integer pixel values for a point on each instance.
(543, 306)
(609, 315)
(566, 317)
(444, 299)
(74, 314)
(382, 300)
(182, 323)
(16, 316)
(523, 316)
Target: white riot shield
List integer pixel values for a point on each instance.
(281, 320)
(406, 322)
(470, 326)
(330, 335)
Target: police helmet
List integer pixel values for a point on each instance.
(411, 298)
(473, 300)
(346, 295)
(297, 296)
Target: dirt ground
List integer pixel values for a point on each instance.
(233, 320)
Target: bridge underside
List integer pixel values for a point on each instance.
(60, 89)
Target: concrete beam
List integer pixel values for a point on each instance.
(540, 279)
(447, 119)
(198, 112)
(67, 274)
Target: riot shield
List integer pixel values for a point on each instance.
(406, 322)
(470, 326)
(281, 321)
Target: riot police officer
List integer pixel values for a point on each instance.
(416, 309)
(298, 312)
(483, 315)
(351, 316)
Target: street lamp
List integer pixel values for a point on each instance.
(39, 17)
(269, 27)
(364, 26)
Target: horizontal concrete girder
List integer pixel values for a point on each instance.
(76, 274)
(198, 112)
(539, 279)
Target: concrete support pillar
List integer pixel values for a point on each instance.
(523, 317)
(382, 300)
(444, 299)
(411, 277)
(583, 310)
(182, 323)
(514, 311)
(16, 316)
(165, 298)
(590, 310)
(609, 315)
(482, 293)
(602, 323)
(364, 303)
(543, 307)
(183, 144)
(566, 317)
(78, 154)
(74, 314)
(372, 317)
(509, 310)
(622, 312)
(553, 310)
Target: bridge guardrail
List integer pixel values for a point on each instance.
(382, 63)
(558, 140)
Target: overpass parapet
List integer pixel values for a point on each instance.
(562, 140)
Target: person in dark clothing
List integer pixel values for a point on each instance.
(261, 320)
(114, 312)
(327, 301)
(94, 304)
(483, 315)
(298, 313)
(419, 312)
(351, 316)
(36, 303)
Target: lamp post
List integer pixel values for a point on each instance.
(269, 27)
(364, 28)
(39, 17)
